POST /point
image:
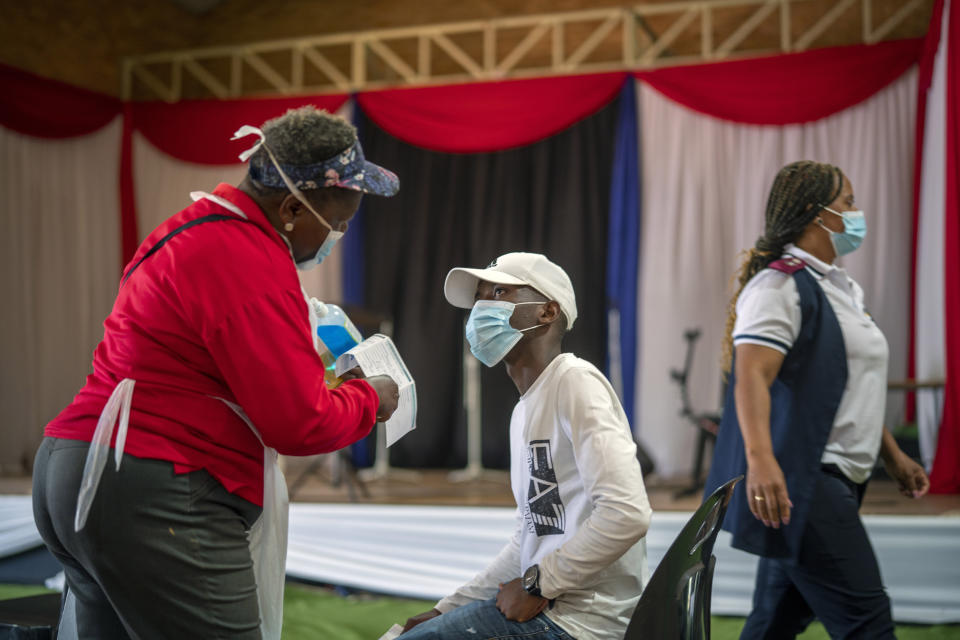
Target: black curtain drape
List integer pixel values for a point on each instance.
(455, 210)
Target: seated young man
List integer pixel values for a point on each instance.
(576, 563)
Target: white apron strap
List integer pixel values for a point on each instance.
(268, 538)
(226, 204)
(118, 403)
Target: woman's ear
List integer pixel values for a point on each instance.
(285, 213)
(291, 208)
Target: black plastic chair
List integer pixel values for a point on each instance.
(675, 604)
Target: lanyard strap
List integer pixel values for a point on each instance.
(213, 217)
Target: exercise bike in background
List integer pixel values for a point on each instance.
(706, 424)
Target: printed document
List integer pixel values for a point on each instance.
(377, 355)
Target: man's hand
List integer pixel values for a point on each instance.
(389, 396)
(909, 475)
(516, 604)
(417, 619)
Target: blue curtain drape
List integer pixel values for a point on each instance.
(354, 272)
(622, 248)
(353, 275)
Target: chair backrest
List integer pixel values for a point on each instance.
(675, 604)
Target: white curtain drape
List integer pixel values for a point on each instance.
(60, 237)
(705, 185)
(930, 315)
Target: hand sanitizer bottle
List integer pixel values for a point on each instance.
(337, 333)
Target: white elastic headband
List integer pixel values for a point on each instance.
(250, 130)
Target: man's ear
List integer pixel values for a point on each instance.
(550, 313)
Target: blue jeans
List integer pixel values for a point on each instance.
(483, 621)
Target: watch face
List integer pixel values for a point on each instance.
(530, 577)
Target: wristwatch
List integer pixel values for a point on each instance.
(531, 580)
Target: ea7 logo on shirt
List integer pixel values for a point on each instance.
(543, 496)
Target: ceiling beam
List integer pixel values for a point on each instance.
(618, 38)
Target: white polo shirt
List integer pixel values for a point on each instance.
(768, 314)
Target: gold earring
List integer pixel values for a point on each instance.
(288, 226)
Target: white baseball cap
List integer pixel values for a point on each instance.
(530, 269)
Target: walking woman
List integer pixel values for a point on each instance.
(804, 416)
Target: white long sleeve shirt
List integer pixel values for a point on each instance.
(582, 508)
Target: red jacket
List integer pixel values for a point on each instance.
(218, 311)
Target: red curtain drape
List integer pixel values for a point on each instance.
(129, 238)
(787, 89)
(199, 131)
(482, 116)
(924, 79)
(488, 116)
(945, 476)
(45, 108)
(776, 90)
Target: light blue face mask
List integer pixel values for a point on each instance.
(328, 244)
(854, 231)
(489, 332)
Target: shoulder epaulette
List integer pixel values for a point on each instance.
(788, 265)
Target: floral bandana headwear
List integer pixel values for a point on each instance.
(348, 170)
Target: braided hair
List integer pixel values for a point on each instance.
(796, 197)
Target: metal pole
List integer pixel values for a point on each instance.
(472, 404)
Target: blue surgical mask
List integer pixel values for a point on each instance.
(328, 243)
(489, 332)
(854, 231)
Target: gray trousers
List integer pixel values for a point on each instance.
(162, 555)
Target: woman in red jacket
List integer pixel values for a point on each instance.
(208, 368)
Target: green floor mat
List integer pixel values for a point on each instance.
(314, 613)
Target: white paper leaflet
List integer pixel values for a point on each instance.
(377, 355)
